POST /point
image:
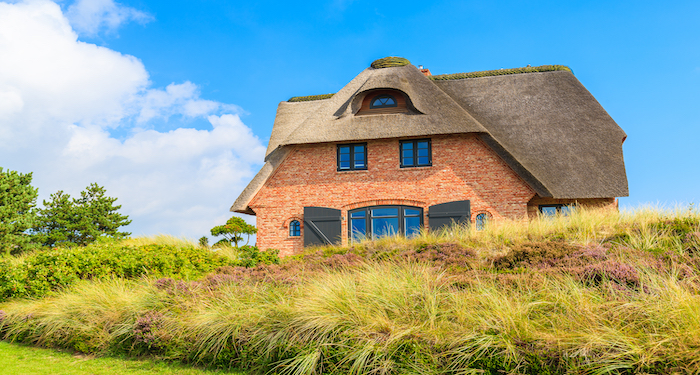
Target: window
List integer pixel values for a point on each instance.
(482, 220)
(380, 221)
(382, 101)
(416, 153)
(352, 157)
(555, 209)
(294, 228)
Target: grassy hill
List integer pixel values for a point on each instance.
(597, 292)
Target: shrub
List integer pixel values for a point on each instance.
(43, 272)
(535, 254)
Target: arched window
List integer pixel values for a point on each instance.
(482, 220)
(294, 228)
(382, 101)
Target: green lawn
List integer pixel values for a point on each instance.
(27, 360)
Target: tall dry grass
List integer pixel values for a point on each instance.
(622, 298)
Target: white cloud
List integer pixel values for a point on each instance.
(59, 100)
(89, 17)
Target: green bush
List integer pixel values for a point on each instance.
(41, 273)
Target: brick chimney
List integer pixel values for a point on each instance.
(426, 72)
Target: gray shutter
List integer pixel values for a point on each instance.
(444, 214)
(321, 226)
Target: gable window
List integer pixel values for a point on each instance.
(555, 209)
(380, 221)
(416, 153)
(383, 101)
(352, 157)
(294, 229)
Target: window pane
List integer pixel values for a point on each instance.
(359, 148)
(357, 214)
(422, 145)
(407, 162)
(423, 152)
(549, 211)
(566, 210)
(383, 212)
(411, 212)
(344, 165)
(389, 101)
(423, 161)
(407, 145)
(344, 157)
(385, 227)
(344, 149)
(359, 229)
(412, 226)
(407, 153)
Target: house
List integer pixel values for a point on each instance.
(398, 149)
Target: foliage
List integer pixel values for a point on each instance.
(44, 272)
(550, 296)
(499, 72)
(17, 201)
(309, 98)
(389, 62)
(204, 241)
(233, 229)
(79, 221)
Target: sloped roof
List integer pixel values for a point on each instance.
(554, 128)
(545, 125)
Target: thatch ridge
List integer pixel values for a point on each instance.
(390, 62)
(309, 98)
(500, 72)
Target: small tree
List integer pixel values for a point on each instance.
(17, 201)
(233, 229)
(80, 221)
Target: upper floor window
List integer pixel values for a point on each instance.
(294, 228)
(416, 153)
(352, 157)
(382, 101)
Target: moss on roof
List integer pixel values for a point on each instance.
(309, 98)
(389, 62)
(489, 73)
(394, 61)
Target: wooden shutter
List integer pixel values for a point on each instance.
(321, 226)
(445, 214)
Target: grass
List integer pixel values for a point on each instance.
(597, 292)
(18, 359)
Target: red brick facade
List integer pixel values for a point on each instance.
(463, 168)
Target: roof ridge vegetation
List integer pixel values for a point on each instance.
(309, 98)
(499, 72)
(388, 61)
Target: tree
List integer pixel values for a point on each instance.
(233, 229)
(17, 201)
(80, 221)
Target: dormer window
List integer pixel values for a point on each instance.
(383, 101)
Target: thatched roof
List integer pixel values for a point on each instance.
(545, 125)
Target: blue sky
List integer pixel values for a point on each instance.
(169, 104)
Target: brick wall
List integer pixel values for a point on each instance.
(463, 168)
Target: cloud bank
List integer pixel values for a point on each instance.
(62, 102)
